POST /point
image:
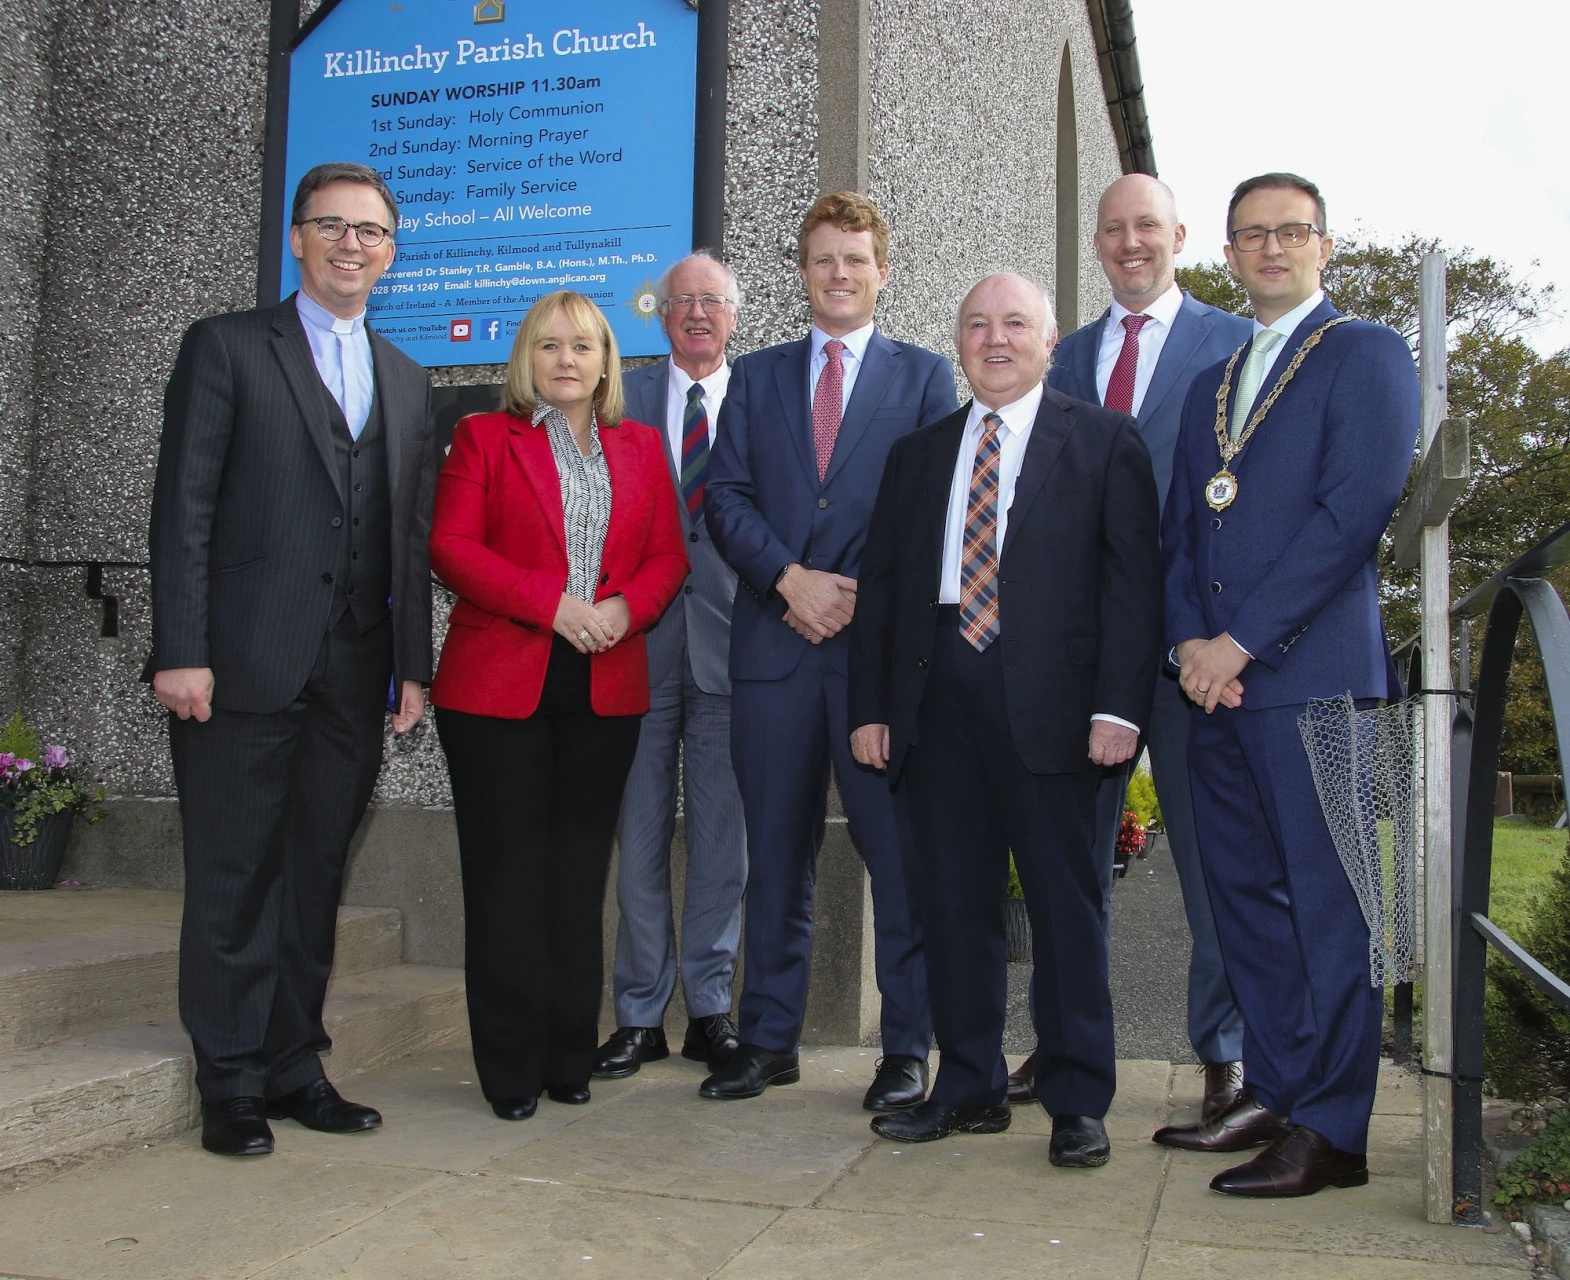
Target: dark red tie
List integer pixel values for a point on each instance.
(1120, 386)
(827, 406)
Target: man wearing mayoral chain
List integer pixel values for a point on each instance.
(1290, 461)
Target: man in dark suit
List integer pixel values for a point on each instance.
(688, 719)
(1139, 357)
(802, 440)
(291, 586)
(1005, 653)
(1289, 464)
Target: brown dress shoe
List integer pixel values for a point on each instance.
(1298, 1164)
(1223, 1088)
(1246, 1125)
(1022, 1083)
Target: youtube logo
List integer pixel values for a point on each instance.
(459, 330)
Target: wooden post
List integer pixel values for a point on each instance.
(1438, 1056)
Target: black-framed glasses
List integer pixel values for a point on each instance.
(369, 234)
(684, 301)
(1289, 235)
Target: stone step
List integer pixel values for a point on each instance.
(71, 1099)
(75, 963)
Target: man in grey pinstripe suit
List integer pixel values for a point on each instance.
(291, 588)
(689, 718)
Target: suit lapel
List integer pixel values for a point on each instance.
(947, 439)
(531, 446)
(790, 379)
(1085, 357)
(872, 382)
(294, 356)
(656, 392)
(387, 393)
(1188, 334)
(1054, 420)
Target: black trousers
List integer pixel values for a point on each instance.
(537, 801)
(269, 804)
(972, 801)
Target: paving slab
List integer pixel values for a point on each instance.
(500, 1228)
(1005, 1178)
(1198, 1262)
(176, 1211)
(784, 1148)
(809, 1244)
(435, 1117)
(1383, 1219)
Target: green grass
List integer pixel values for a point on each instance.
(1524, 857)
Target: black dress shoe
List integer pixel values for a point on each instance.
(572, 1097)
(712, 1040)
(1297, 1164)
(628, 1049)
(1223, 1088)
(1022, 1082)
(514, 1108)
(930, 1121)
(901, 1083)
(236, 1127)
(318, 1106)
(1245, 1125)
(749, 1072)
(1079, 1142)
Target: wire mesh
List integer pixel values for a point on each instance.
(1364, 762)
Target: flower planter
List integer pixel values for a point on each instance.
(1016, 931)
(36, 865)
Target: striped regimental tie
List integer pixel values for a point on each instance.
(978, 565)
(694, 450)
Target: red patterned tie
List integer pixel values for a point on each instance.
(1120, 386)
(978, 564)
(828, 405)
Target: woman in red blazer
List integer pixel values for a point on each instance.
(556, 526)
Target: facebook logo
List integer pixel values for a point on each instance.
(491, 328)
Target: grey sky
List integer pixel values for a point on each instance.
(1442, 118)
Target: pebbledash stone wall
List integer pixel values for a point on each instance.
(129, 204)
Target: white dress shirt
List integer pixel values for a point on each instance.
(1284, 326)
(342, 352)
(1153, 335)
(1018, 419)
(677, 386)
(850, 360)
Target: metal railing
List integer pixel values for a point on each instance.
(1520, 588)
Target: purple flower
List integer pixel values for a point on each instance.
(6, 759)
(56, 757)
(22, 765)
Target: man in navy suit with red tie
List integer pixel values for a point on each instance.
(1289, 464)
(802, 438)
(1139, 357)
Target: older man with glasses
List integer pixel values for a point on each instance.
(686, 733)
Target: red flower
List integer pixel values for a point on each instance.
(1131, 835)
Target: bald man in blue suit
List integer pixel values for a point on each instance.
(1139, 356)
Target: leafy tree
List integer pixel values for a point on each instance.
(1518, 405)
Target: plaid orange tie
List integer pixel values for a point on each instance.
(978, 565)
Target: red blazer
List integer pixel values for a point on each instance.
(498, 540)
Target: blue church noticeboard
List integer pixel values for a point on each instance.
(531, 146)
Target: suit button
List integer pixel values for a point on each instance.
(327, 578)
(358, 487)
(1216, 523)
(337, 521)
(822, 502)
(604, 578)
(1215, 588)
(922, 663)
(932, 604)
(692, 537)
(356, 452)
(688, 590)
